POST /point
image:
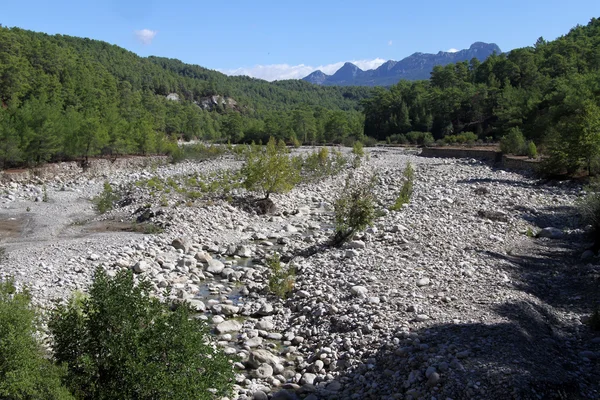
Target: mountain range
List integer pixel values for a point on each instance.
(414, 67)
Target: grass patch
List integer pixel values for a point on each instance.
(406, 190)
(282, 279)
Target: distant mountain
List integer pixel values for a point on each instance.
(414, 67)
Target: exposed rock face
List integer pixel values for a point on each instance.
(173, 97)
(212, 102)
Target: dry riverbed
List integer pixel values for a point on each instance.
(451, 297)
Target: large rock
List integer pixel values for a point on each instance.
(262, 356)
(359, 291)
(215, 267)
(551, 233)
(229, 326)
(181, 244)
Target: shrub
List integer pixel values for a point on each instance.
(531, 150)
(513, 143)
(407, 188)
(282, 279)
(420, 138)
(106, 200)
(354, 209)
(269, 169)
(358, 149)
(24, 372)
(121, 343)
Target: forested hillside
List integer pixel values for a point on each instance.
(65, 97)
(550, 92)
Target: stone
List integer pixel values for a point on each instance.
(262, 356)
(265, 325)
(433, 379)
(423, 282)
(215, 266)
(203, 257)
(140, 267)
(356, 244)
(421, 317)
(551, 233)
(229, 326)
(228, 309)
(181, 244)
(243, 251)
(351, 253)
(308, 378)
(588, 254)
(359, 291)
(260, 395)
(265, 309)
(197, 305)
(263, 371)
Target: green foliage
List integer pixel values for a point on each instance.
(122, 343)
(24, 373)
(513, 143)
(461, 138)
(357, 149)
(64, 97)
(532, 150)
(354, 208)
(197, 152)
(106, 200)
(407, 188)
(282, 278)
(320, 164)
(269, 169)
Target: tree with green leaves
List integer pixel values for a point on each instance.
(269, 169)
(119, 342)
(25, 374)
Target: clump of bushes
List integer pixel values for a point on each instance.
(461, 138)
(532, 150)
(196, 152)
(106, 200)
(513, 143)
(354, 208)
(415, 138)
(407, 188)
(24, 371)
(589, 208)
(282, 278)
(358, 149)
(319, 164)
(121, 343)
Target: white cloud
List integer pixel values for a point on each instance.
(285, 71)
(452, 50)
(390, 43)
(145, 36)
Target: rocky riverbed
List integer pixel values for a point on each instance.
(454, 296)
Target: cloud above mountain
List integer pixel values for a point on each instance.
(273, 72)
(145, 36)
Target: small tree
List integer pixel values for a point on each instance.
(354, 209)
(532, 150)
(121, 343)
(513, 143)
(269, 169)
(24, 372)
(407, 188)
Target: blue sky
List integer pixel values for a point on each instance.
(279, 39)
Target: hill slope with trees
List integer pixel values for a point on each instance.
(65, 97)
(549, 93)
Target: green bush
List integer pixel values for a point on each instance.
(420, 138)
(407, 188)
(354, 209)
(269, 169)
(122, 343)
(358, 149)
(24, 373)
(589, 208)
(282, 279)
(106, 200)
(513, 143)
(531, 150)
(461, 138)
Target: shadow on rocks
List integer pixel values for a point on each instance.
(533, 355)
